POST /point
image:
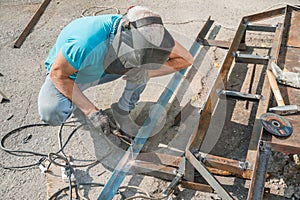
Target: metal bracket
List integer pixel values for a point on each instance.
(239, 95)
(244, 165)
(248, 58)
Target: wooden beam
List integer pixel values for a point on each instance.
(31, 24)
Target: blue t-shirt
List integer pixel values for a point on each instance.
(84, 43)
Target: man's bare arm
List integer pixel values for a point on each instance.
(59, 74)
(179, 59)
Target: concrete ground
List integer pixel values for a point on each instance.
(22, 74)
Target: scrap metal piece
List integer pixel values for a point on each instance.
(239, 95)
(177, 178)
(286, 78)
(3, 98)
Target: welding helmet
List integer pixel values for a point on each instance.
(131, 49)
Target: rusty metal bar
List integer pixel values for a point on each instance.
(233, 48)
(196, 186)
(31, 24)
(203, 32)
(253, 149)
(265, 15)
(235, 167)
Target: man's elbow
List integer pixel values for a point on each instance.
(56, 75)
(186, 63)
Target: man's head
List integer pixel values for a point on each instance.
(141, 41)
(154, 33)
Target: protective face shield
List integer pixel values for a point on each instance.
(131, 49)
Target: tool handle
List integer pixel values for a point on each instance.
(275, 88)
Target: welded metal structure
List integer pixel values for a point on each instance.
(285, 50)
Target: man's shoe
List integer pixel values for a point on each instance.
(124, 121)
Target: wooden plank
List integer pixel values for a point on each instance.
(292, 59)
(31, 24)
(294, 30)
(290, 144)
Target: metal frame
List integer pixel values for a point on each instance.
(163, 166)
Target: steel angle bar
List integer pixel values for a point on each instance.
(265, 15)
(258, 181)
(261, 27)
(254, 59)
(240, 33)
(126, 162)
(211, 180)
(204, 30)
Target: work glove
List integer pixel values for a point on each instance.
(99, 121)
(137, 75)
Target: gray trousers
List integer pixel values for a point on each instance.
(54, 108)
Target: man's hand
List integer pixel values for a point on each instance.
(137, 75)
(100, 121)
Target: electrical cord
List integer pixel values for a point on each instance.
(103, 8)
